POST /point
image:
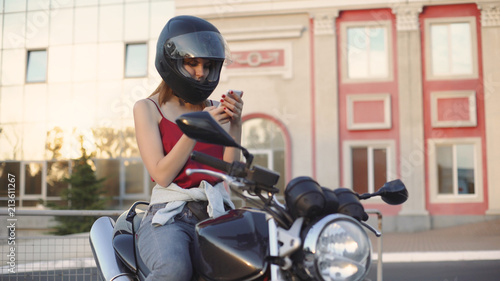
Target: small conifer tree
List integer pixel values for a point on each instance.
(85, 193)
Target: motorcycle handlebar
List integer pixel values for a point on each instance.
(211, 161)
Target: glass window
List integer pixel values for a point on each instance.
(451, 48)
(109, 169)
(33, 178)
(369, 168)
(134, 176)
(56, 172)
(456, 169)
(36, 70)
(136, 60)
(367, 52)
(265, 140)
(14, 169)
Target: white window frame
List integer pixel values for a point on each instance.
(435, 197)
(428, 50)
(389, 145)
(387, 25)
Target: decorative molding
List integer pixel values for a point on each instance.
(458, 110)
(407, 17)
(490, 14)
(259, 58)
(324, 24)
(268, 32)
(374, 123)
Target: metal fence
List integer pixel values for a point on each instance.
(68, 257)
(46, 257)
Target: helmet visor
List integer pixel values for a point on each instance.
(201, 44)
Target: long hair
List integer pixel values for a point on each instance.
(166, 93)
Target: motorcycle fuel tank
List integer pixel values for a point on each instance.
(233, 246)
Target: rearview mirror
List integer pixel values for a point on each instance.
(202, 127)
(393, 193)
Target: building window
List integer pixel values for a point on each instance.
(369, 168)
(36, 69)
(14, 169)
(136, 60)
(126, 180)
(57, 171)
(109, 169)
(451, 48)
(368, 164)
(265, 140)
(455, 166)
(367, 51)
(33, 183)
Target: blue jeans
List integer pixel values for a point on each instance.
(167, 249)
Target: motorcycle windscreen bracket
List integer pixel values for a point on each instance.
(290, 238)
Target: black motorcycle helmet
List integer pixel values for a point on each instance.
(190, 37)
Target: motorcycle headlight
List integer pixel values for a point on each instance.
(337, 248)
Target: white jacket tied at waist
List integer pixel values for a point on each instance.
(176, 197)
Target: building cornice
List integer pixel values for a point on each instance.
(225, 9)
(490, 13)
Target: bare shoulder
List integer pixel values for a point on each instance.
(141, 104)
(145, 109)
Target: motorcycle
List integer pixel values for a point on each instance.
(317, 234)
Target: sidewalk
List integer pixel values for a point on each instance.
(476, 241)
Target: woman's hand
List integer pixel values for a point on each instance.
(229, 109)
(233, 106)
(218, 114)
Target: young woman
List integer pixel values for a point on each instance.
(189, 57)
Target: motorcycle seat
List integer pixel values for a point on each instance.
(124, 243)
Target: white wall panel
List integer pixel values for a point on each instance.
(60, 63)
(160, 13)
(14, 30)
(37, 5)
(86, 24)
(59, 104)
(37, 29)
(110, 23)
(11, 105)
(110, 61)
(13, 6)
(136, 22)
(13, 67)
(35, 101)
(85, 58)
(61, 26)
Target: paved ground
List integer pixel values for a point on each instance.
(476, 241)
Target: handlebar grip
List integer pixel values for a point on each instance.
(211, 161)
